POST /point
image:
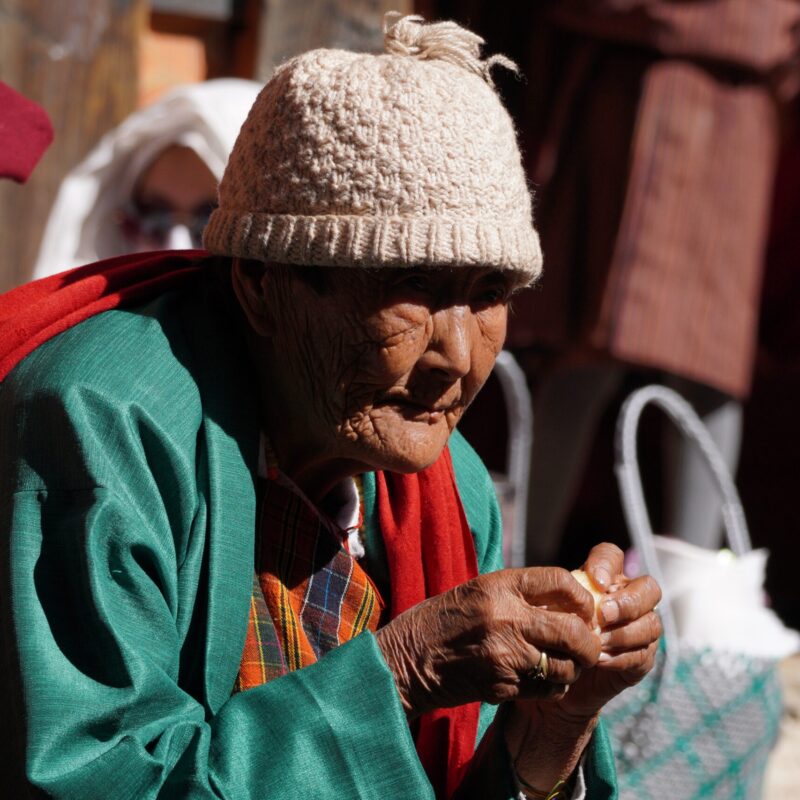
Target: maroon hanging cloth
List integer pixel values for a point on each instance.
(25, 133)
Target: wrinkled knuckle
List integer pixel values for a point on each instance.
(641, 660)
(655, 626)
(648, 587)
(533, 575)
(571, 629)
(530, 579)
(626, 603)
(558, 577)
(536, 572)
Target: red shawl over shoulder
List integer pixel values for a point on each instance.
(428, 542)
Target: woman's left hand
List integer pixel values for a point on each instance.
(545, 738)
(629, 634)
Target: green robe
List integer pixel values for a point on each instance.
(127, 506)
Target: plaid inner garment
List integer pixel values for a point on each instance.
(309, 594)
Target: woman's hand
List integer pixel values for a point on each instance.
(546, 737)
(480, 640)
(629, 634)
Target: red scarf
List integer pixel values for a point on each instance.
(428, 542)
(430, 549)
(38, 311)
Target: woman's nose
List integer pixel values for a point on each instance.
(450, 346)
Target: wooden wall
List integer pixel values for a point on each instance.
(84, 61)
(78, 59)
(289, 27)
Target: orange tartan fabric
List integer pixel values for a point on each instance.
(309, 594)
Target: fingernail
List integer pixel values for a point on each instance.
(610, 611)
(605, 657)
(605, 638)
(602, 577)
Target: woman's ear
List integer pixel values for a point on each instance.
(251, 282)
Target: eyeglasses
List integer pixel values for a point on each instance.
(151, 227)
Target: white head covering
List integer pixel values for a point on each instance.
(82, 227)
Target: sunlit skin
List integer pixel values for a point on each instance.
(368, 369)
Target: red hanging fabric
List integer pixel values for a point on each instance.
(430, 549)
(25, 133)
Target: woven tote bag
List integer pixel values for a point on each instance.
(702, 724)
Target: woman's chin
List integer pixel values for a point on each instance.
(411, 450)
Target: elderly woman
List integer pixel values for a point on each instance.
(249, 556)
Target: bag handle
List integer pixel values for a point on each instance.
(632, 493)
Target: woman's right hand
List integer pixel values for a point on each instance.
(481, 640)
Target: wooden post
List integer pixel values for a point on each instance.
(289, 27)
(78, 59)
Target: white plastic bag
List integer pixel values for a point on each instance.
(718, 601)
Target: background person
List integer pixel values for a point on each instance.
(150, 183)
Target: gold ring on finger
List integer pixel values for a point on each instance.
(540, 670)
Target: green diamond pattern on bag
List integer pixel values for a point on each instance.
(705, 732)
(701, 725)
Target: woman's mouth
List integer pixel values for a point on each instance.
(416, 410)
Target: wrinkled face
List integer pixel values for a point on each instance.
(380, 365)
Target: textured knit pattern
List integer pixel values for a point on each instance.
(402, 159)
(309, 594)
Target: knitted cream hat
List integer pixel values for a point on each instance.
(402, 159)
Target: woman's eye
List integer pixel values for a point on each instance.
(415, 282)
(491, 294)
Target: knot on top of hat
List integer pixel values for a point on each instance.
(446, 41)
